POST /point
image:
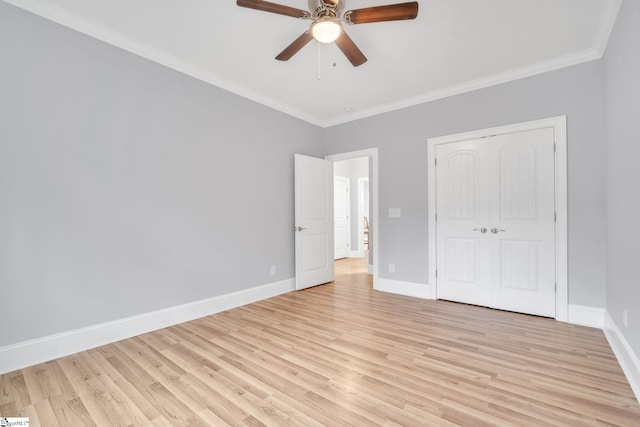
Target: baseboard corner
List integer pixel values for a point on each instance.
(410, 289)
(586, 316)
(629, 361)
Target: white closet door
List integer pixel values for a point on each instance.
(522, 213)
(495, 222)
(462, 210)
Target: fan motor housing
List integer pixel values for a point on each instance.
(325, 10)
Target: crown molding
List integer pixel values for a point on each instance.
(609, 16)
(93, 29)
(607, 23)
(493, 80)
(48, 11)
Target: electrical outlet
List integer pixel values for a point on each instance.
(394, 213)
(392, 268)
(273, 270)
(625, 317)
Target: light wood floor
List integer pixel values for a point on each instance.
(338, 354)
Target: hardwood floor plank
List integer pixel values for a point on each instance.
(96, 393)
(41, 414)
(13, 390)
(10, 408)
(124, 383)
(45, 381)
(71, 412)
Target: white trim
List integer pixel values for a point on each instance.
(562, 220)
(628, 360)
(370, 269)
(93, 29)
(373, 192)
(586, 316)
(410, 289)
(559, 124)
(609, 16)
(470, 86)
(32, 352)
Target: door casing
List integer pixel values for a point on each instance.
(559, 125)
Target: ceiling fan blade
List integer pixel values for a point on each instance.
(273, 8)
(294, 47)
(390, 12)
(350, 50)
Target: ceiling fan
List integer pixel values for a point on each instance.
(328, 16)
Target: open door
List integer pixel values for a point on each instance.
(313, 221)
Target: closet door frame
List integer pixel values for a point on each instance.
(559, 125)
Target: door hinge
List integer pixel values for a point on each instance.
(556, 288)
(555, 217)
(554, 147)
(435, 161)
(436, 274)
(436, 217)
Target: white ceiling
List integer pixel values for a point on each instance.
(452, 47)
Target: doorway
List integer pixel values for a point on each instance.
(371, 157)
(351, 216)
(498, 217)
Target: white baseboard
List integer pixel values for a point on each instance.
(32, 352)
(586, 316)
(628, 360)
(410, 289)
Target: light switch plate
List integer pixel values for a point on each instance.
(394, 213)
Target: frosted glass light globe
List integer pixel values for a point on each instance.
(326, 30)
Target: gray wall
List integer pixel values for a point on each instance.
(126, 187)
(401, 137)
(622, 83)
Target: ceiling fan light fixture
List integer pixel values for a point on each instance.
(326, 30)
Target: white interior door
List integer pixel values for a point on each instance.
(462, 185)
(495, 222)
(313, 221)
(341, 208)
